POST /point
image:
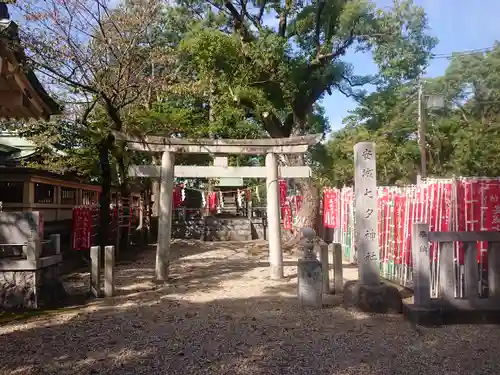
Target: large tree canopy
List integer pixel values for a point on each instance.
(461, 138)
(278, 71)
(219, 68)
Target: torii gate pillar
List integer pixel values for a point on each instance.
(165, 216)
(273, 217)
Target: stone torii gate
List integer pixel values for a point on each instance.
(267, 146)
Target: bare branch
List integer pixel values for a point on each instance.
(317, 29)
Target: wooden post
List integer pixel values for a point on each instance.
(446, 272)
(28, 195)
(109, 273)
(338, 276)
(366, 226)
(421, 264)
(95, 271)
(165, 216)
(471, 273)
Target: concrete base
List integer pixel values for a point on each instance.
(437, 314)
(377, 299)
(310, 283)
(422, 315)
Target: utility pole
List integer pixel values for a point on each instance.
(421, 131)
(211, 122)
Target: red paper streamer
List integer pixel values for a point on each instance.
(330, 208)
(298, 202)
(287, 217)
(282, 192)
(212, 201)
(176, 197)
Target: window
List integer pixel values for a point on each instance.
(68, 195)
(11, 192)
(44, 193)
(89, 197)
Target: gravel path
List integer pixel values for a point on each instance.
(221, 315)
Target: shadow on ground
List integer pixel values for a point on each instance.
(221, 315)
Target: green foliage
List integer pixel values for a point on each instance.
(461, 138)
(216, 68)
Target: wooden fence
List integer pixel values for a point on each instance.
(445, 276)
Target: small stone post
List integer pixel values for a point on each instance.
(309, 274)
(109, 272)
(273, 217)
(32, 249)
(366, 226)
(421, 265)
(338, 275)
(55, 239)
(250, 209)
(95, 271)
(323, 258)
(165, 216)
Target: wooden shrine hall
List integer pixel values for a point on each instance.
(22, 96)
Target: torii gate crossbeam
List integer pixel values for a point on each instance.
(268, 146)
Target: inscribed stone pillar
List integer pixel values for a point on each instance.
(365, 186)
(273, 217)
(165, 216)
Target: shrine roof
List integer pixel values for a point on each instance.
(12, 56)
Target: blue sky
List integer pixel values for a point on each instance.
(460, 25)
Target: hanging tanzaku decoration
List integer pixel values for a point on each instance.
(203, 200)
(282, 192)
(330, 197)
(212, 201)
(177, 197)
(282, 185)
(298, 202)
(287, 217)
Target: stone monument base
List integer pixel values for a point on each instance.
(380, 298)
(310, 283)
(28, 284)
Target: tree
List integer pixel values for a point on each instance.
(278, 74)
(460, 137)
(98, 60)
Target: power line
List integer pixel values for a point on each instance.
(460, 53)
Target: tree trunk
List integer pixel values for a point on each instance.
(307, 217)
(104, 198)
(125, 196)
(147, 209)
(155, 191)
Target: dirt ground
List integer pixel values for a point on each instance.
(220, 314)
